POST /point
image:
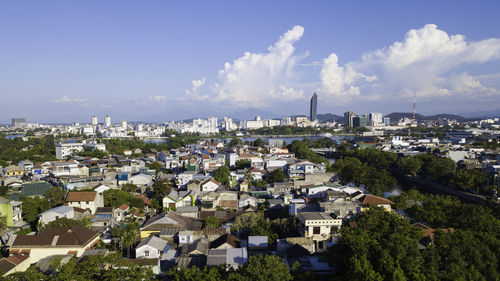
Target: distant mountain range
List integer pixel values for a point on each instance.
(399, 115)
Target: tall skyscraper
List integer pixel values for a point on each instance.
(124, 125)
(314, 107)
(348, 118)
(93, 121)
(18, 122)
(107, 121)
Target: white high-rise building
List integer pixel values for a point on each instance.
(375, 119)
(212, 122)
(93, 121)
(124, 125)
(139, 127)
(107, 121)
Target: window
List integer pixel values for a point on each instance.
(57, 217)
(146, 253)
(316, 230)
(87, 202)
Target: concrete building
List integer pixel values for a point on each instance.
(107, 121)
(359, 122)
(93, 121)
(85, 200)
(18, 122)
(64, 149)
(314, 107)
(348, 119)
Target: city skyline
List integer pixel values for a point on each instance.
(147, 63)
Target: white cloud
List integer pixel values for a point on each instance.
(66, 99)
(425, 62)
(255, 79)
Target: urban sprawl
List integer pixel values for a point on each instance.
(352, 197)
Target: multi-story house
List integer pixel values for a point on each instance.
(85, 200)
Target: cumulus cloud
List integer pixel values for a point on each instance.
(426, 62)
(255, 78)
(66, 99)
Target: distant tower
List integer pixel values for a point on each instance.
(124, 125)
(93, 121)
(349, 119)
(414, 116)
(314, 107)
(107, 121)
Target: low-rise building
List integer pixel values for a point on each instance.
(85, 200)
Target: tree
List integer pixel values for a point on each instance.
(116, 197)
(161, 189)
(350, 169)
(276, 175)
(235, 141)
(222, 175)
(128, 233)
(266, 268)
(55, 195)
(242, 163)
(68, 223)
(212, 222)
(157, 166)
(32, 207)
(469, 179)
(258, 142)
(130, 187)
(382, 246)
(410, 165)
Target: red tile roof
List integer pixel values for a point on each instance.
(74, 196)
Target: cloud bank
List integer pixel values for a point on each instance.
(427, 62)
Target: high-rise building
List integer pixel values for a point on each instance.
(375, 119)
(359, 121)
(18, 122)
(314, 107)
(348, 118)
(107, 121)
(387, 121)
(93, 121)
(124, 125)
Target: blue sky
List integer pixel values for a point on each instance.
(64, 61)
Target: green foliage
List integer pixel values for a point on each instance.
(257, 224)
(116, 197)
(32, 207)
(410, 165)
(157, 166)
(242, 164)
(302, 151)
(161, 189)
(89, 152)
(55, 195)
(222, 175)
(276, 175)
(129, 187)
(68, 223)
(92, 267)
(258, 142)
(128, 233)
(380, 247)
(259, 267)
(35, 149)
(211, 222)
(438, 169)
(235, 141)
(469, 179)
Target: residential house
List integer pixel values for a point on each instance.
(13, 264)
(103, 219)
(151, 248)
(27, 165)
(69, 168)
(210, 185)
(121, 212)
(244, 185)
(56, 213)
(247, 200)
(225, 241)
(176, 199)
(11, 211)
(188, 211)
(319, 226)
(227, 200)
(169, 220)
(54, 241)
(14, 171)
(85, 200)
(368, 201)
(186, 237)
(258, 243)
(232, 257)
